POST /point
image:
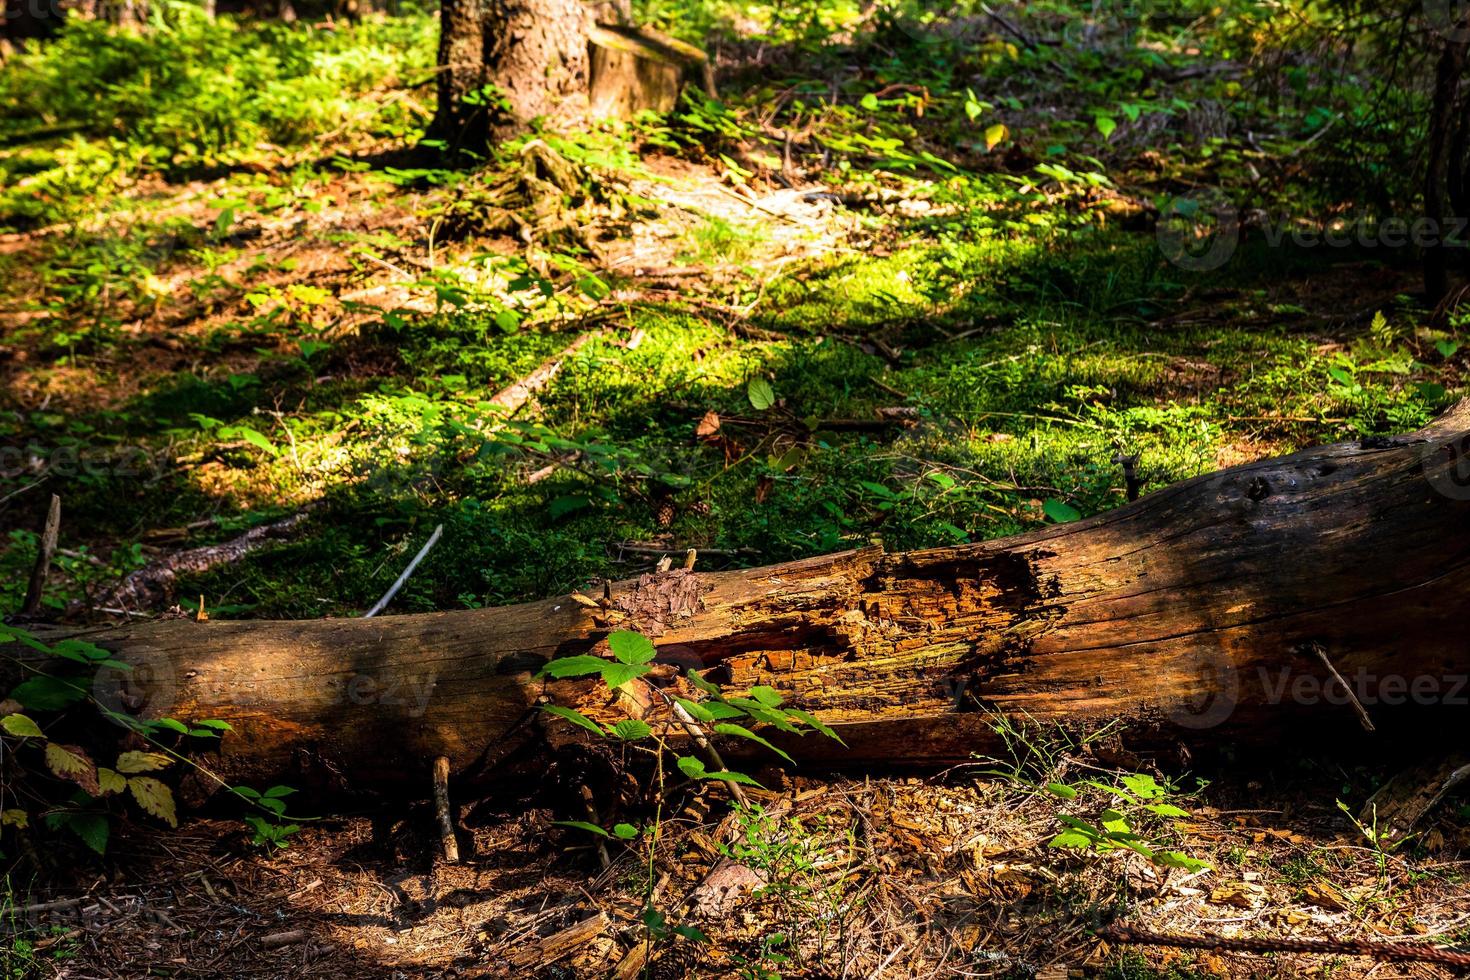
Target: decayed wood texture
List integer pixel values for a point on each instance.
(1193, 613)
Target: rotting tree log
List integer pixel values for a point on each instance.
(1202, 611)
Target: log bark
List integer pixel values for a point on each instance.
(1193, 614)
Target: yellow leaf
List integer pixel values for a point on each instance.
(70, 762)
(155, 798)
(995, 134)
(14, 818)
(131, 762)
(21, 727)
(110, 781)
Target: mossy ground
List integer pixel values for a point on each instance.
(230, 291)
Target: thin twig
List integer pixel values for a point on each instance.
(1353, 698)
(393, 590)
(32, 604)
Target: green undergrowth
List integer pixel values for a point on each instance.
(996, 325)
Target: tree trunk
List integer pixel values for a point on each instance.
(1218, 609)
(533, 53)
(1442, 187)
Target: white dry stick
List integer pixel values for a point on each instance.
(393, 590)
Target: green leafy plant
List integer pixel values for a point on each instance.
(63, 678)
(714, 711)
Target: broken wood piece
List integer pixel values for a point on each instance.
(1400, 804)
(278, 939)
(39, 571)
(590, 805)
(443, 811)
(154, 584)
(540, 953)
(511, 398)
(634, 69)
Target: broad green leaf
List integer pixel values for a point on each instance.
(1178, 859)
(626, 831)
(768, 716)
(581, 665)
(48, 693)
(21, 727)
(1446, 348)
(256, 439)
(1060, 512)
(810, 719)
(1106, 125)
(699, 682)
(1166, 810)
(591, 828)
(766, 696)
(869, 102)
(995, 135)
(630, 647)
(1062, 790)
(575, 717)
(216, 724)
(728, 728)
(1143, 786)
(92, 828)
(155, 798)
(696, 710)
(726, 776)
(616, 675)
(760, 393)
(631, 729)
(1071, 838)
(276, 792)
(691, 767)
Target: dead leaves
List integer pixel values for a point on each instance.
(71, 763)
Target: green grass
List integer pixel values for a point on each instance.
(1031, 337)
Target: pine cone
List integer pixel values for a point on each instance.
(665, 511)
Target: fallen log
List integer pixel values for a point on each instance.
(1224, 607)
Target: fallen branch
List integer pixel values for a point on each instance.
(1185, 617)
(37, 587)
(402, 579)
(154, 584)
(1378, 950)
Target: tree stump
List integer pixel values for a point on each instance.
(637, 68)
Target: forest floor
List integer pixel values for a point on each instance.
(903, 284)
